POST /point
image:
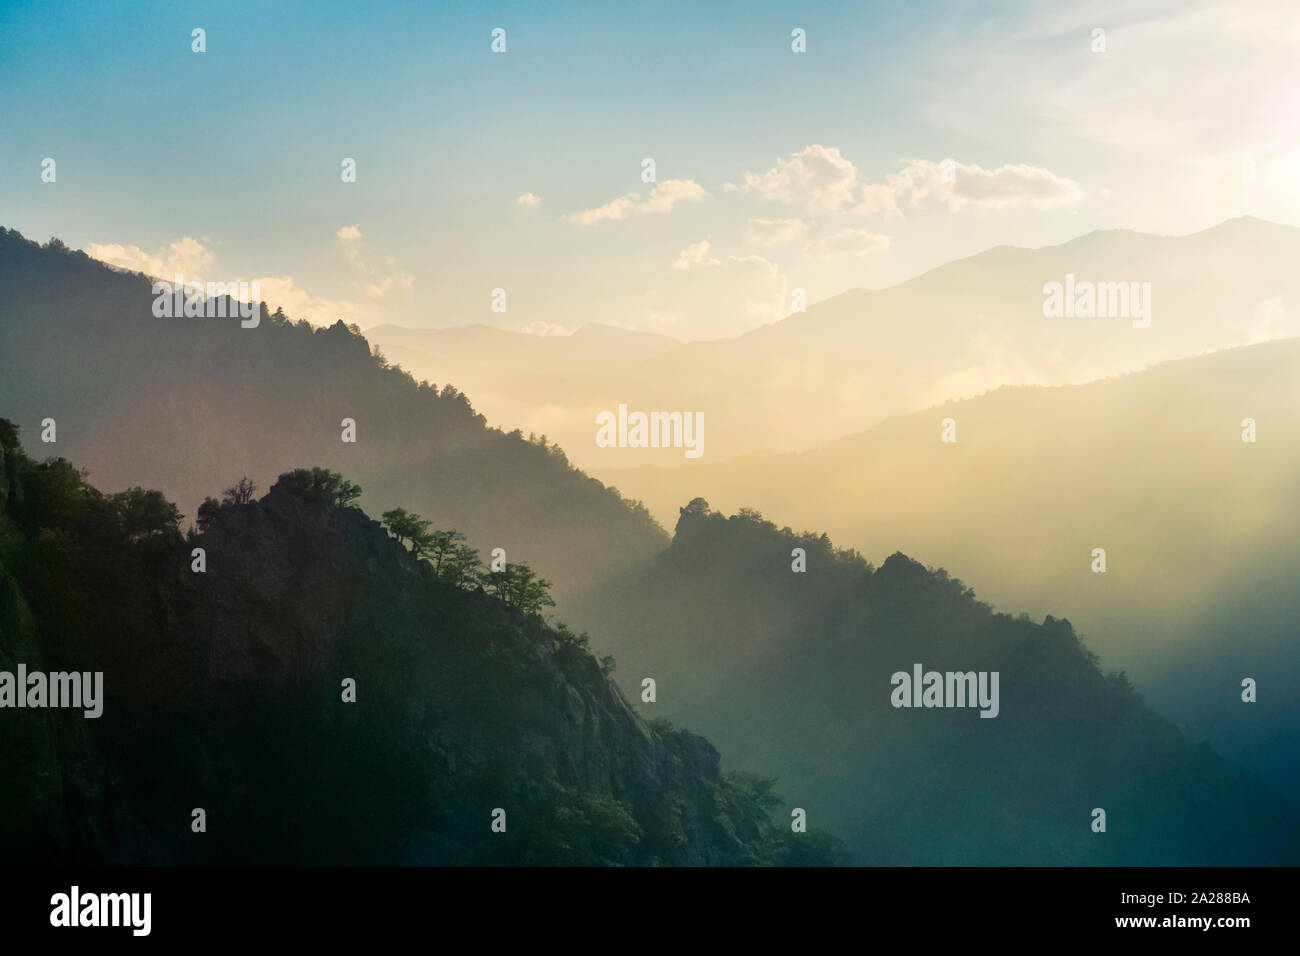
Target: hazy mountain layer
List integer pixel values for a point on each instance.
(793, 674)
(1201, 530)
(189, 404)
(857, 358)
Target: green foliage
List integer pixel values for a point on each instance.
(584, 829)
(756, 788)
(57, 492)
(145, 515)
(454, 562)
(315, 484)
(8, 434)
(567, 639)
(99, 582)
(661, 726)
(406, 526)
(815, 848)
(1120, 681)
(697, 507)
(236, 496)
(519, 587)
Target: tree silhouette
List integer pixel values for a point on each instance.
(407, 526)
(145, 514)
(519, 587)
(316, 483)
(453, 561)
(241, 493)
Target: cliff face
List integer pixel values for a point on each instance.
(28, 747)
(224, 690)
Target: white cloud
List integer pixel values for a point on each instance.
(719, 295)
(1008, 185)
(774, 232)
(383, 288)
(879, 198)
(382, 284)
(282, 292)
(694, 256)
(817, 176)
(848, 242)
(193, 261)
(619, 208)
(185, 257)
(661, 200)
(1147, 117)
(669, 192)
(528, 199)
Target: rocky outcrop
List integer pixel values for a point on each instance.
(227, 691)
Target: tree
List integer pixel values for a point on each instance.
(406, 526)
(58, 492)
(316, 483)
(346, 492)
(208, 512)
(239, 494)
(462, 567)
(144, 514)
(453, 561)
(698, 508)
(519, 587)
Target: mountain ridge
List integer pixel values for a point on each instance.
(227, 690)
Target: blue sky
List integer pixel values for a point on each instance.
(234, 154)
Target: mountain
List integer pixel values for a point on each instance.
(226, 690)
(471, 351)
(789, 672)
(180, 404)
(547, 385)
(794, 674)
(854, 359)
(1201, 529)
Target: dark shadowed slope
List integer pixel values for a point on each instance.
(187, 405)
(1201, 529)
(223, 691)
(791, 674)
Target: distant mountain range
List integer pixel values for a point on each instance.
(1201, 529)
(789, 671)
(854, 359)
(792, 673)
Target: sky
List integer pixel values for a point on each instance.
(904, 136)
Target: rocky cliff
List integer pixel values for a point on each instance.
(225, 691)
